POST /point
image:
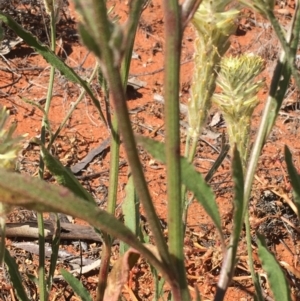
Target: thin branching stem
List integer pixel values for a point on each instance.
(111, 206)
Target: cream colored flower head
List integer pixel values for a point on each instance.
(237, 80)
(213, 16)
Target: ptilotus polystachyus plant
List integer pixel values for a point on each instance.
(238, 97)
(214, 24)
(9, 148)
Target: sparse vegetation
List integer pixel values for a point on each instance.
(112, 42)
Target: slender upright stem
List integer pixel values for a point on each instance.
(112, 74)
(280, 79)
(41, 269)
(114, 166)
(173, 37)
(115, 141)
(111, 206)
(249, 251)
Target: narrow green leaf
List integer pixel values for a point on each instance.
(130, 209)
(294, 177)
(76, 285)
(36, 194)
(193, 180)
(278, 283)
(50, 57)
(64, 176)
(15, 276)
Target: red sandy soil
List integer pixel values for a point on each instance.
(85, 131)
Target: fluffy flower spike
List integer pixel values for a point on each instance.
(214, 24)
(238, 97)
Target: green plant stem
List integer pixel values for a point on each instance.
(115, 150)
(111, 206)
(279, 85)
(189, 7)
(55, 248)
(249, 241)
(250, 257)
(173, 37)
(113, 77)
(114, 166)
(41, 269)
(48, 99)
(274, 101)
